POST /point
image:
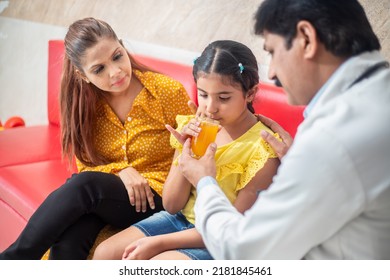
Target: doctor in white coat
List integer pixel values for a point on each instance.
(331, 196)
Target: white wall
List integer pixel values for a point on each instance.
(23, 69)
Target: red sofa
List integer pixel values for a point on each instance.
(30, 157)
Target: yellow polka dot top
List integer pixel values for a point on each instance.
(142, 142)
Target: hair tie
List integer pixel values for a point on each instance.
(241, 67)
(195, 59)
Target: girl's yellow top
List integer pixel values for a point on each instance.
(142, 142)
(237, 162)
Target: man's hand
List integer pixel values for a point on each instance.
(280, 148)
(194, 169)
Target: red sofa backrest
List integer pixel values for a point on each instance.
(270, 100)
(56, 56)
(179, 72)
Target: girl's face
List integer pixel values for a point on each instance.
(221, 100)
(107, 66)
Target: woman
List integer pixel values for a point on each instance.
(113, 117)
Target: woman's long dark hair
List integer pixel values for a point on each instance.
(79, 99)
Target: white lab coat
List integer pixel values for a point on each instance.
(331, 196)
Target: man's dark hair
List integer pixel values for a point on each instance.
(341, 25)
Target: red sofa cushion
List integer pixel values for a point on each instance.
(29, 144)
(24, 186)
(11, 224)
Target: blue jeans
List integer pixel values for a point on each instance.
(163, 223)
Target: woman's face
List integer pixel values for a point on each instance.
(221, 100)
(107, 66)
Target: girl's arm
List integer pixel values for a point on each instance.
(176, 189)
(261, 181)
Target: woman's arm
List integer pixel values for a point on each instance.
(138, 189)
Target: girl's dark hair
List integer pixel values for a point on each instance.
(78, 99)
(233, 61)
(341, 25)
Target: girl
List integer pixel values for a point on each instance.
(113, 116)
(226, 74)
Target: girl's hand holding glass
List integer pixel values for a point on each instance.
(191, 129)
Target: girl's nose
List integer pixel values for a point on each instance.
(212, 107)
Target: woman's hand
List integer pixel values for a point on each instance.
(143, 249)
(138, 189)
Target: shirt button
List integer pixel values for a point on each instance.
(125, 158)
(129, 119)
(124, 132)
(124, 147)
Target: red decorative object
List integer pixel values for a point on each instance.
(14, 122)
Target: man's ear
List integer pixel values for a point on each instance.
(308, 40)
(82, 76)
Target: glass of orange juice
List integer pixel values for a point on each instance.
(207, 135)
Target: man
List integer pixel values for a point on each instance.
(331, 196)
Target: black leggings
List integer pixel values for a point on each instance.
(70, 218)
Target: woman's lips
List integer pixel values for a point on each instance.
(119, 82)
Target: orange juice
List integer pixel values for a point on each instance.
(207, 135)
